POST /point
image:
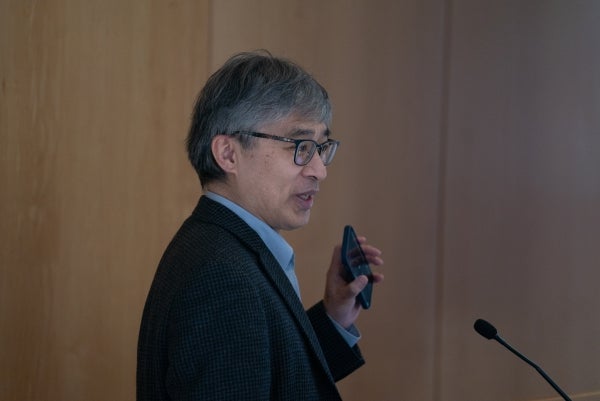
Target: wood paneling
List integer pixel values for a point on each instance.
(94, 110)
(470, 154)
(522, 193)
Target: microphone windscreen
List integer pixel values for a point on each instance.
(485, 329)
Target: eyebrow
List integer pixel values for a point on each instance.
(298, 133)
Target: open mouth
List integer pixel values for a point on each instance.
(305, 197)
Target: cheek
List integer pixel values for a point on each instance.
(276, 178)
(269, 161)
(277, 169)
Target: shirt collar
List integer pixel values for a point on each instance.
(281, 250)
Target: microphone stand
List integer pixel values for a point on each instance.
(532, 364)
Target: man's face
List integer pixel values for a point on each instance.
(268, 182)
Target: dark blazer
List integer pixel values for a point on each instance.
(222, 322)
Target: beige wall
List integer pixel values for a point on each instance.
(94, 107)
(470, 154)
(522, 196)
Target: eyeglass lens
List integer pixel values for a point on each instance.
(306, 149)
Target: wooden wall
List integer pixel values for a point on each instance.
(522, 197)
(470, 154)
(94, 110)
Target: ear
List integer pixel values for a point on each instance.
(224, 149)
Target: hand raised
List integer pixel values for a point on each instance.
(340, 296)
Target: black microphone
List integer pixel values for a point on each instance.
(488, 331)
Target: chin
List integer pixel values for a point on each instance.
(297, 223)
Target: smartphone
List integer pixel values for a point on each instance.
(356, 264)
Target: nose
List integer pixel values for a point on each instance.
(315, 168)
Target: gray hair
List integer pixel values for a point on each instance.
(248, 90)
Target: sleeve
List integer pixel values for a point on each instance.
(341, 358)
(351, 335)
(212, 321)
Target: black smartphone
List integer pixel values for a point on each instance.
(356, 264)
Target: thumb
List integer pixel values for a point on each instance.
(358, 284)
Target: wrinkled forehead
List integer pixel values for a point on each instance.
(296, 128)
(318, 133)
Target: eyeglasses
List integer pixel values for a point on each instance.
(305, 148)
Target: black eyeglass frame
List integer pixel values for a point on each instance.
(318, 146)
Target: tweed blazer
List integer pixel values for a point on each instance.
(222, 322)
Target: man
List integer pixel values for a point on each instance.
(223, 319)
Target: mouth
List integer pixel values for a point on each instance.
(307, 198)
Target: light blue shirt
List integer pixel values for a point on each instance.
(282, 251)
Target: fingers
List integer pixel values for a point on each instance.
(377, 277)
(372, 253)
(340, 298)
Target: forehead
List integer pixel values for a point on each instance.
(294, 127)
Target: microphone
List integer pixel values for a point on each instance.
(488, 331)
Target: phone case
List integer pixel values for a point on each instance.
(356, 264)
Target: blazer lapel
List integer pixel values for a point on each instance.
(274, 271)
(216, 213)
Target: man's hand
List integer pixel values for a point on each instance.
(340, 296)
